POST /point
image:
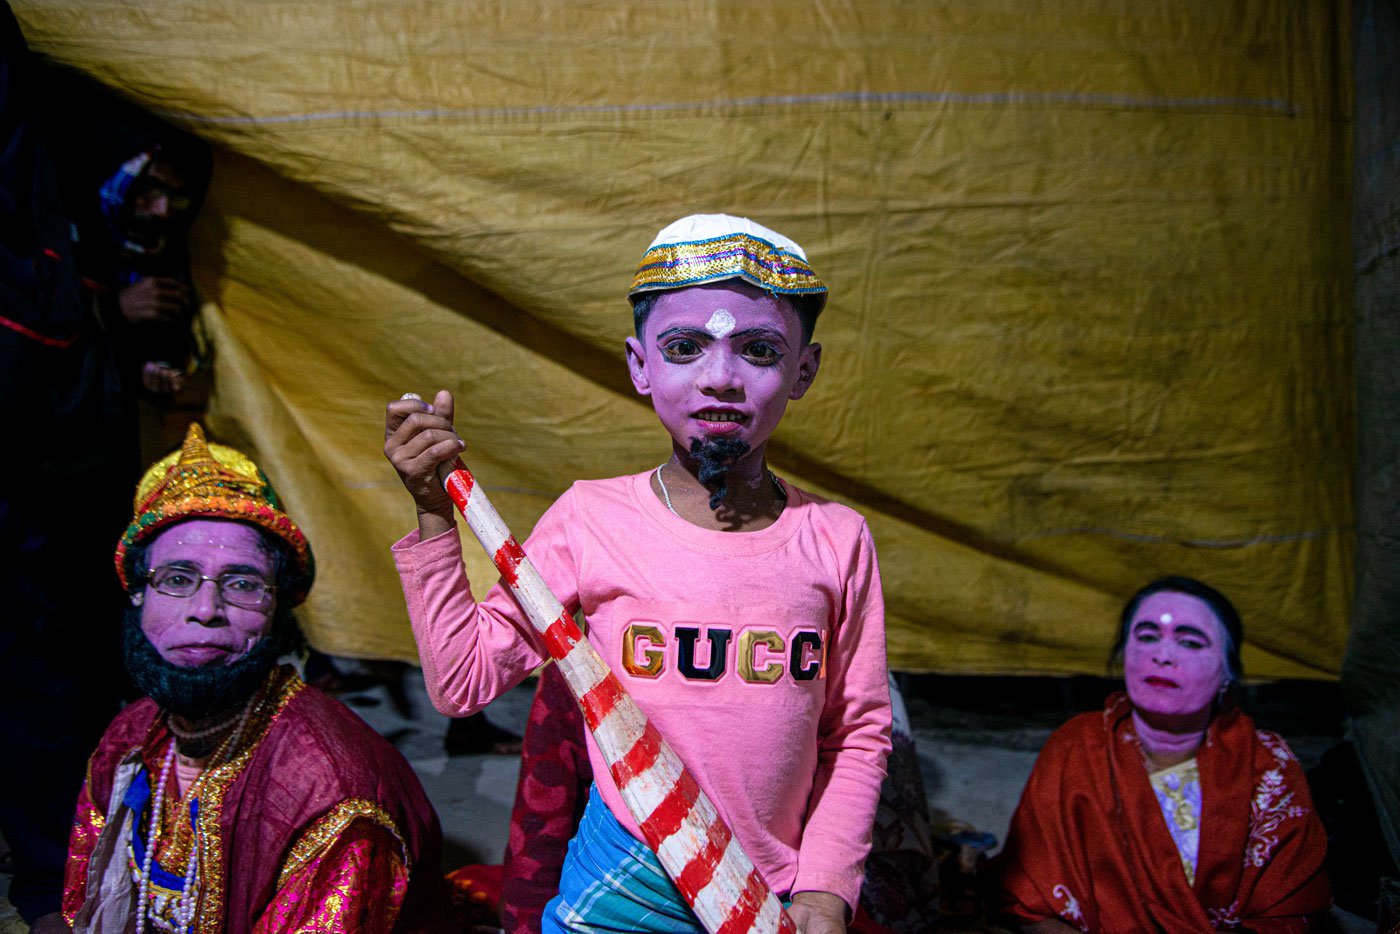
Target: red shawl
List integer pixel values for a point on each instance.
(1088, 843)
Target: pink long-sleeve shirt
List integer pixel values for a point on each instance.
(759, 656)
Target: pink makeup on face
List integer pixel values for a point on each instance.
(721, 361)
(203, 629)
(1174, 657)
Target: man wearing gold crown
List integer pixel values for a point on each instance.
(235, 797)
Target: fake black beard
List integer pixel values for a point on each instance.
(716, 458)
(196, 694)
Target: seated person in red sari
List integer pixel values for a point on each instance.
(1168, 810)
(234, 797)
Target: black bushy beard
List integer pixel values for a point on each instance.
(716, 459)
(196, 694)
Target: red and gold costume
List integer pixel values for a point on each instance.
(316, 824)
(1088, 844)
(303, 820)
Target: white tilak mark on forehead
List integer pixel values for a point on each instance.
(720, 323)
(1166, 617)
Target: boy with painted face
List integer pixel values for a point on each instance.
(743, 614)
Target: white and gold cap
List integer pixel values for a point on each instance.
(712, 247)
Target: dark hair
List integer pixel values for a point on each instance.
(286, 578)
(1223, 609)
(806, 306)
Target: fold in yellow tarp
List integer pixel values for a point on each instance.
(1090, 311)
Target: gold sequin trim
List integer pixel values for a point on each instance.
(204, 479)
(283, 685)
(758, 261)
(321, 835)
(201, 463)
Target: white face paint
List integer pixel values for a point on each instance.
(1166, 617)
(720, 323)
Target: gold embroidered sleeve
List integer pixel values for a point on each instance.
(82, 839)
(347, 873)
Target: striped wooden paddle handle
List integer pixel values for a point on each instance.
(717, 879)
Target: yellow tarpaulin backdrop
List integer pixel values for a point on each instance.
(1091, 294)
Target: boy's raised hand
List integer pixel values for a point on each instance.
(417, 438)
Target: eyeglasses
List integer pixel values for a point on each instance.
(248, 591)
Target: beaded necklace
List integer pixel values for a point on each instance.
(188, 899)
(188, 735)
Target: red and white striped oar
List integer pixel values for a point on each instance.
(713, 873)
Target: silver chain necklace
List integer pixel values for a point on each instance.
(666, 494)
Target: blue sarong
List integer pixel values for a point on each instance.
(612, 882)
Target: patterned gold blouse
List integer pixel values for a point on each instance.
(1178, 791)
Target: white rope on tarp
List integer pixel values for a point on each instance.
(1276, 106)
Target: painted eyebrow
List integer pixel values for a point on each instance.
(1193, 631)
(683, 331)
(243, 569)
(686, 331)
(765, 333)
(185, 565)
